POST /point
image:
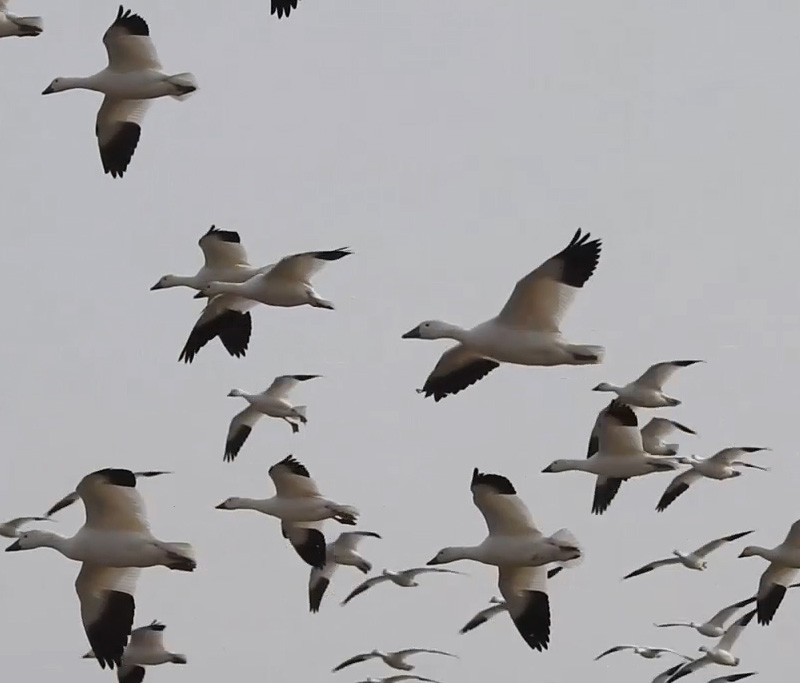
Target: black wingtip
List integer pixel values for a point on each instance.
(233, 329)
(670, 495)
(533, 623)
(604, 495)
(108, 634)
(223, 235)
(116, 152)
(283, 7)
(496, 482)
(316, 593)
(313, 551)
(579, 258)
(235, 443)
(622, 412)
(117, 476)
(767, 606)
(458, 380)
(294, 466)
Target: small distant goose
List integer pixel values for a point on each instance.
(653, 435)
(273, 402)
(645, 391)
(405, 579)
(10, 529)
(398, 679)
(12, 25)
(619, 455)
(719, 466)
(784, 561)
(286, 284)
(225, 259)
(146, 648)
(526, 331)
(396, 659)
(341, 552)
(300, 507)
(497, 607)
(721, 653)
(693, 560)
(520, 551)
(132, 78)
(113, 544)
(73, 497)
(283, 7)
(715, 627)
(646, 652)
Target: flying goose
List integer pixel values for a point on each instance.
(300, 507)
(645, 391)
(497, 606)
(273, 402)
(224, 259)
(113, 544)
(720, 654)
(286, 283)
(619, 455)
(784, 561)
(343, 551)
(520, 551)
(715, 626)
(12, 25)
(146, 648)
(719, 466)
(10, 529)
(132, 78)
(526, 332)
(73, 497)
(693, 560)
(396, 659)
(646, 652)
(406, 578)
(283, 7)
(653, 434)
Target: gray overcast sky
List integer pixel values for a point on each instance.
(453, 145)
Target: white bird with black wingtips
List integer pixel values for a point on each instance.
(720, 653)
(653, 435)
(131, 80)
(721, 465)
(285, 284)
(342, 552)
(273, 402)
(113, 544)
(647, 391)
(22, 27)
(300, 507)
(396, 659)
(525, 332)
(146, 648)
(619, 455)
(644, 652)
(520, 552)
(784, 563)
(693, 560)
(407, 578)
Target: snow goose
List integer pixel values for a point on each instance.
(343, 551)
(398, 679)
(719, 466)
(653, 434)
(645, 391)
(283, 7)
(12, 25)
(620, 455)
(113, 544)
(693, 560)
(526, 332)
(497, 606)
(407, 578)
(146, 648)
(10, 529)
(286, 283)
(520, 551)
(73, 497)
(721, 653)
(646, 652)
(225, 259)
(273, 402)
(396, 659)
(300, 507)
(132, 78)
(784, 561)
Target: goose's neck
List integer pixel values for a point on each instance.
(79, 82)
(464, 553)
(48, 539)
(185, 281)
(582, 465)
(247, 504)
(454, 332)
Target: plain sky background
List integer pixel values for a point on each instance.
(454, 145)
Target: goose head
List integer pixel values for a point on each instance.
(30, 540)
(60, 84)
(557, 466)
(446, 555)
(214, 288)
(235, 392)
(430, 329)
(604, 386)
(164, 282)
(749, 551)
(229, 504)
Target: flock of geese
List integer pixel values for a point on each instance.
(116, 542)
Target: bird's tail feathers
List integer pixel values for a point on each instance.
(565, 539)
(185, 83)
